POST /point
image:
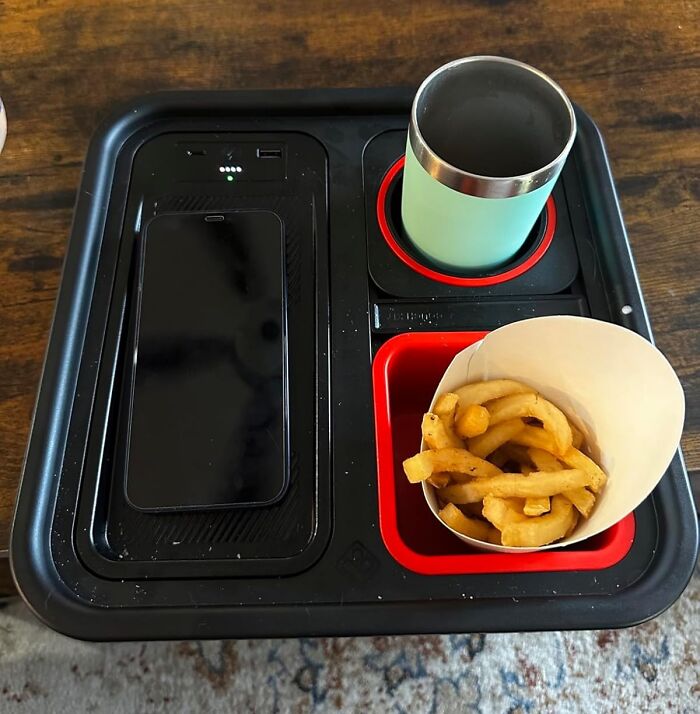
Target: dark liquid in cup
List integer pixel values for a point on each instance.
(493, 119)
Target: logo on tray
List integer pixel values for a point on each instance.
(358, 562)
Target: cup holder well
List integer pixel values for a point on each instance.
(389, 218)
(399, 271)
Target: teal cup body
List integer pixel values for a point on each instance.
(487, 141)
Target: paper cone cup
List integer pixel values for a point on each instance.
(613, 384)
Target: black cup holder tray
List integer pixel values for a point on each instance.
(315, 563)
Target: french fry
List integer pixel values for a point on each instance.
(421, 466)
(536, 437)
(455, 519)
(494, 536)
(445, 407)
(480, 392)
(574, 523)
(582, 499)
(576, 459)
(543, 440)
(536, 506)
(537, 484)
(439, 480)
(472, 421)
(494, 437)
(534, 405)
(543, 460)
(502, 511)
(436, 434)
(576, 435)
(542, 530)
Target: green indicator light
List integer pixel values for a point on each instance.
(229, 178)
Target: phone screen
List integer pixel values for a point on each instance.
(208, 423)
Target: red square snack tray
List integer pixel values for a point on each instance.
(405, 374)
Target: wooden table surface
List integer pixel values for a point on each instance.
(634, 66)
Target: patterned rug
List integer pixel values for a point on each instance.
(651, 668)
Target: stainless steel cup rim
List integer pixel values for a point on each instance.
(476, 184)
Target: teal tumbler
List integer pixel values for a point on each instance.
(487, 140)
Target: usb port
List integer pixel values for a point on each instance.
(269, 153)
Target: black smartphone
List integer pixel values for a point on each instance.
(208, 418)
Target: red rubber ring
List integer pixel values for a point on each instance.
(412, 263)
